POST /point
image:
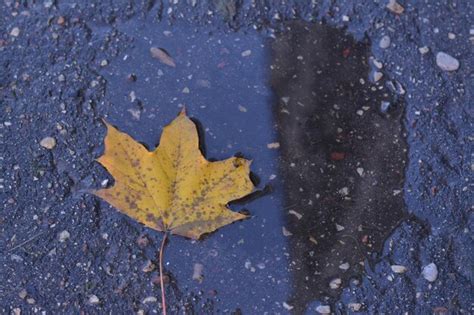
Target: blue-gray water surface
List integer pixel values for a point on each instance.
(327, 159)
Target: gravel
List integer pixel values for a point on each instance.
(64, 236)
(447, 62)
(430, 272)
(323, 309)
(15, 32)
(398, 268)
(384, 42)
(48, 143)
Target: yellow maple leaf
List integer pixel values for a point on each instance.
(173, 188)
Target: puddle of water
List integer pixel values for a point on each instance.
(342, 160)
(302, 90)
(229, 96)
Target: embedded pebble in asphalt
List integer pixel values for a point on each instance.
(15, 32)
(430, 272)
(446, 62)
(48, 143)
(384, 42)
(93, 299)
(398, 268)
(64, 235)
(323, 309)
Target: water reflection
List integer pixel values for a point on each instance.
(342, 160)
(334, 178)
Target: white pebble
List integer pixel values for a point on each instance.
(288, 306)
(246, 53)
(430, 272)
(398, 268)
(63, 236)
(150, 299)
(48, 143)
(344, 191)
(273, 145)
(335, 284)
(355, 307)
(15, 32)
(323, 309)
(384, 42)
(446, 62)
(423, 50)
(344, 266)
(93, 299)
(376, 76)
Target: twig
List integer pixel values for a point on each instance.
(25, 242)
(163, 299)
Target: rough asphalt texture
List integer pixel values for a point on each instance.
(39, 188)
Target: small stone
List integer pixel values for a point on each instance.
(384, 106)
(446, 62)
(323, 309)
(15, 32)
(186, 90)
(451, 35)
(344, 266)
(398, 268)
(286, 232)
(395, 7)
(335, 284)
(48, 4)
(423, 50)
(198, 272)
(16, 311)
(339, 227)
(355, 307)
(30, 301)
(150, 299)
(48, 143)
(430, 272)
(22, 294)
(376, 76)
(345, 18)
(377, 64)
(246, 53)
(63, 236)
(360, 171)
(395, 87)
(61, 78)
(242, 109)
(61, 20)
(273, 145)
(148, 266)
(344, 191)
(93, 299)
(103, 63)
(296, 214)
(384, 42)
(288, 306)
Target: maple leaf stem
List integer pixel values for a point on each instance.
(163, 298)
